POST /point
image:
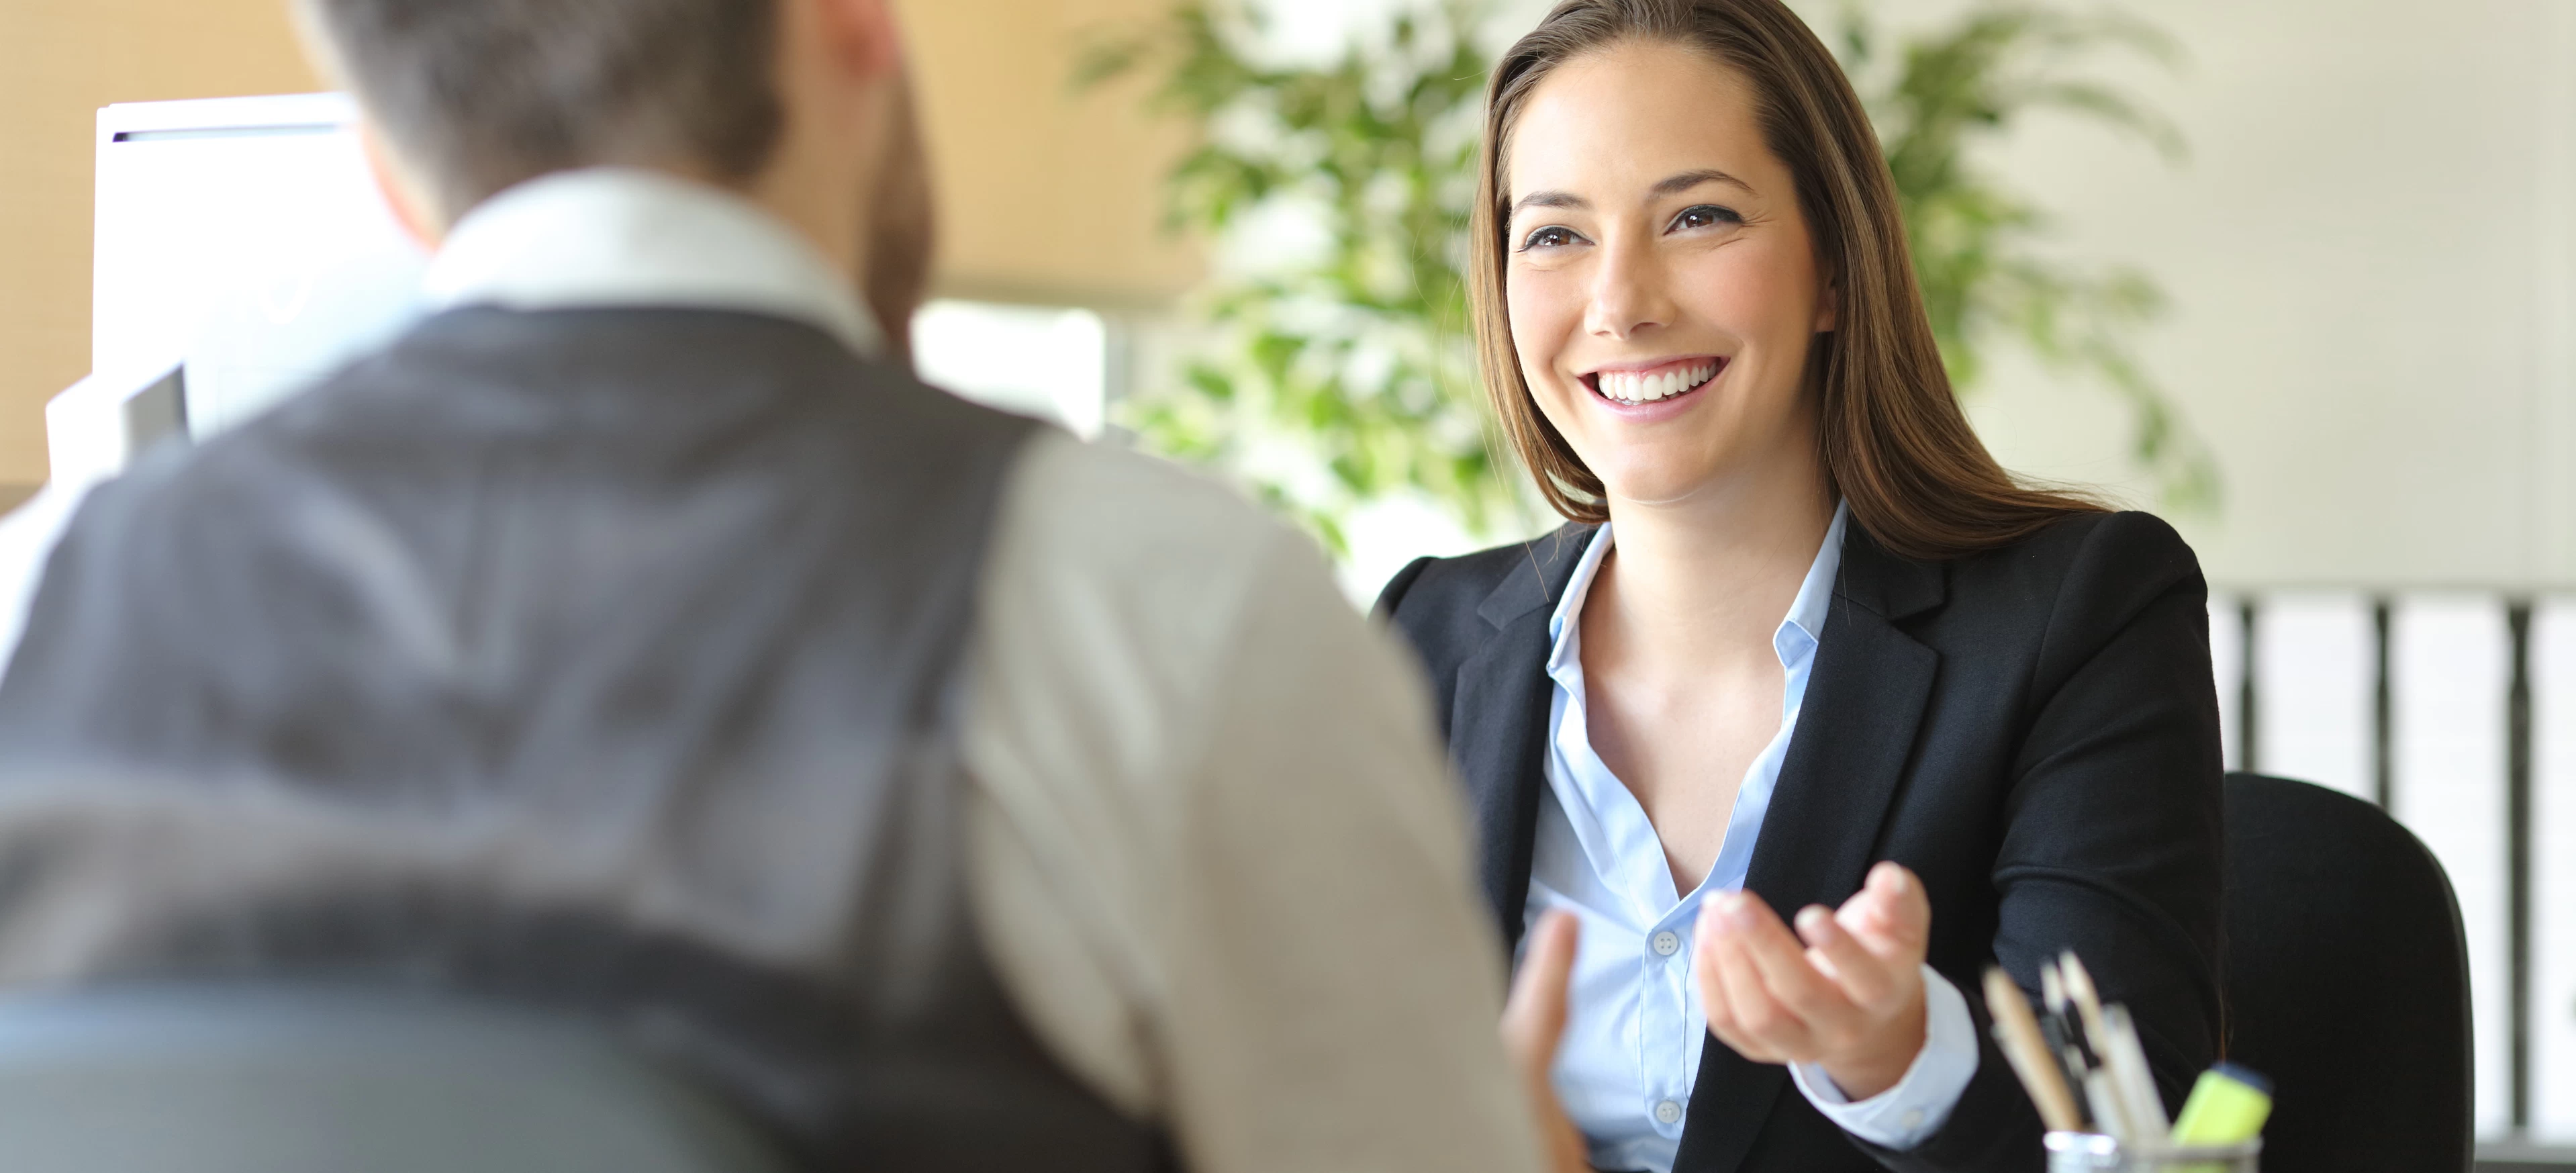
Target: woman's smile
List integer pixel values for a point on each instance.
(1660, 383)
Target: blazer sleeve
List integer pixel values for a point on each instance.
(2111, 840)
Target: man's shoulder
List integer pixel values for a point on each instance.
(1139, 601)
(177, 491)
(1117, 519)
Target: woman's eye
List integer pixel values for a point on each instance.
(1706, 216)
(1550, 237)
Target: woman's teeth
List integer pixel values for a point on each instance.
(1631, 388)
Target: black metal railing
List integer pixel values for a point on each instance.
(2519, 735)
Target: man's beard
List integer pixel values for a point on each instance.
(899, 232)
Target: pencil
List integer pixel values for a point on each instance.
(2017, 1031)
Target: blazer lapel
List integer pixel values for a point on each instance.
(1498, 722)
(1856, 728)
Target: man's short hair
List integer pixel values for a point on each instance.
(484, 94)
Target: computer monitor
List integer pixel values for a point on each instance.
(243, 239)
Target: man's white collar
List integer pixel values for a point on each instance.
(624, 237)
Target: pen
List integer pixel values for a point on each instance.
(2087, 1000)
(2084, 1070)
(2115, 1045)
(2064, 1041)
(2070, 1062)
(2108, 1116)
(2135, 1080)
(2017, 1032)
(2061, 1012)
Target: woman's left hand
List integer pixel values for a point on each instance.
(1849, 997)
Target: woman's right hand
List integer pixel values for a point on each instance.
(1533, 1023)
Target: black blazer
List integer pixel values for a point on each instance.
(2033, 730)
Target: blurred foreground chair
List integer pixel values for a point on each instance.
(252, 1080)
(2347, 983)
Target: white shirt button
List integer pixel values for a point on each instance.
(1666, 944)
(1912, 1120)
(1668, 1112)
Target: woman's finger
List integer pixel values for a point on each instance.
(1865, 978)
(1758, 1014)
(1890, 916)
(1781, 961)
(1706, 973)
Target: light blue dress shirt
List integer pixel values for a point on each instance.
(1633, 1037)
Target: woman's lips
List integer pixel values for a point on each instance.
(1638, 388)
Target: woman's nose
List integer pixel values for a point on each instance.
(1628, 294)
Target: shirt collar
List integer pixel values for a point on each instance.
(1815, 595)
(1796, 638)
(624, 237)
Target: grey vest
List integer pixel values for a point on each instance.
(604, 661)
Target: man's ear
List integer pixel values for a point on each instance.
(406, 204)
(408, 207)
(861, 35)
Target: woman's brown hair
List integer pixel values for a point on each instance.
(1892, 438)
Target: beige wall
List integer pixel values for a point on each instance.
(1045, 196)
(2372, 260)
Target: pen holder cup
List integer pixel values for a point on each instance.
(2084, 1152)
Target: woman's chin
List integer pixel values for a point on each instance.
(1662, 486)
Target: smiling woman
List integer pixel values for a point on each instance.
(1811, 713)
(1891, 433)
(1646, 250)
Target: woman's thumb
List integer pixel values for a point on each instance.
(1534, 1017)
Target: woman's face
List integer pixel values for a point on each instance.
(1662, 286)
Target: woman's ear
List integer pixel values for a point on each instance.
(406, 204)
(1829, 304)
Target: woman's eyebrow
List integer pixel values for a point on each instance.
(1677, 184)
(1670, 185)
(1551, 199)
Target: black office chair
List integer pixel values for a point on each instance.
(179, 1080)
(2347, 983)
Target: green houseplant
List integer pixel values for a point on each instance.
(1936, 98)
(1343, 374)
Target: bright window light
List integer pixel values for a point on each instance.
(1047, 362)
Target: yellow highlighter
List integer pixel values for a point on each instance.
(2227, 1107)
